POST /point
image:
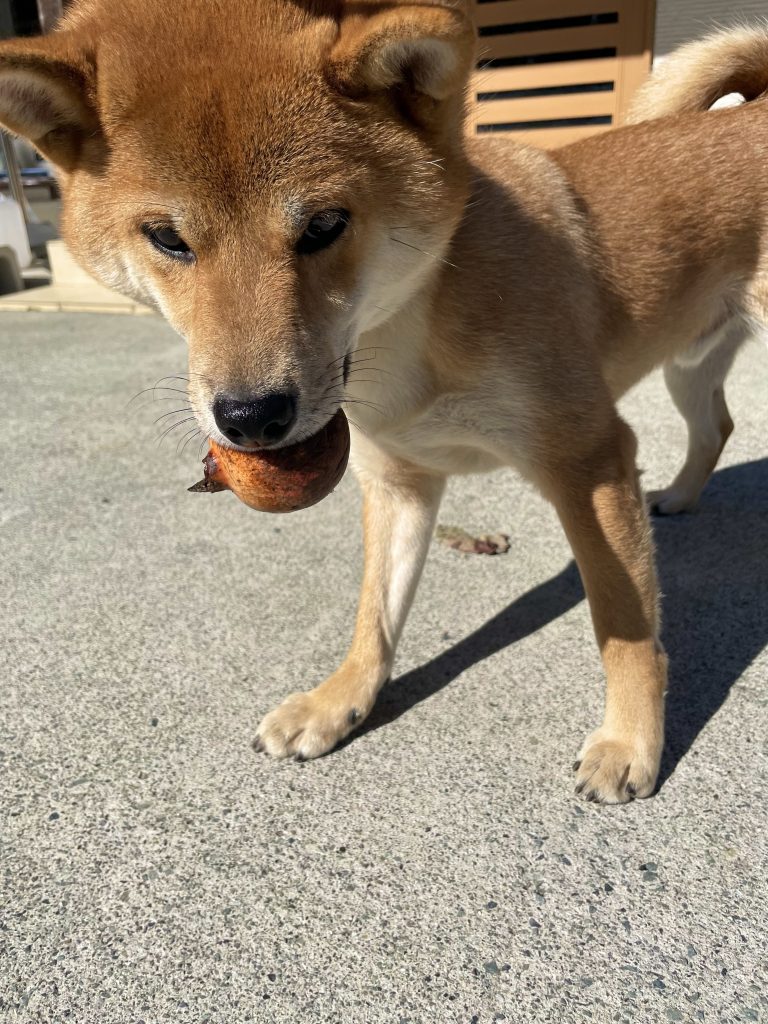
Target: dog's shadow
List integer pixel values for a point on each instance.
(714, 575)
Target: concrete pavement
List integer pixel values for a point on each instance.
(438, 868)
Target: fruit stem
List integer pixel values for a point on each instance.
(208, 485)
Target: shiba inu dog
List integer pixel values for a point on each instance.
(291, 184)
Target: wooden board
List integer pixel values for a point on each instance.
(553, 71)
(502, 12)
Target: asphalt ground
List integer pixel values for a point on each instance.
(438, 867)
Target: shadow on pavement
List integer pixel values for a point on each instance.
(714, 575)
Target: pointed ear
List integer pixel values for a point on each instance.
(47, 95)
(423, 53)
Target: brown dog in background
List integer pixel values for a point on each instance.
(290, 183)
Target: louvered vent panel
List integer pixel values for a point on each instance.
(553, 71)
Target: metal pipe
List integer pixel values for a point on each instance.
(49, 12)
(6, 20)
(12, 169)
(14, 178)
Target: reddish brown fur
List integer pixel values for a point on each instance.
(499, 299)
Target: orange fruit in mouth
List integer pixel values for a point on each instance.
(281, 479)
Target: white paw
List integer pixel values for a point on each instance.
(304, 726)
(670, 501)
(614, 771)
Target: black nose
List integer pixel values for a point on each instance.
(260, 422)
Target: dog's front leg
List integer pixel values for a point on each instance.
(399, 511)
(600, 505)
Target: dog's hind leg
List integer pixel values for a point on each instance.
(399, 513)
(696, 383)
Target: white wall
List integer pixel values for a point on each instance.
(678, 21)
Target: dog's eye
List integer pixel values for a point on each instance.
(322, 231)
(169, 242)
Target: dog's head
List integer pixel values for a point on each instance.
(276, 176)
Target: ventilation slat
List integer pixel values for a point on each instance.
(535, 76)
(550, 124)
(503, 12)
(556, 41)
(548, 90)
(599, 104)
(549, 24)
(552, 71)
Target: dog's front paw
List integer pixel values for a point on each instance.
(670, 501)
(611, 770)
(305, 725)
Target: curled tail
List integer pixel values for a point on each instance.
(695, 76)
